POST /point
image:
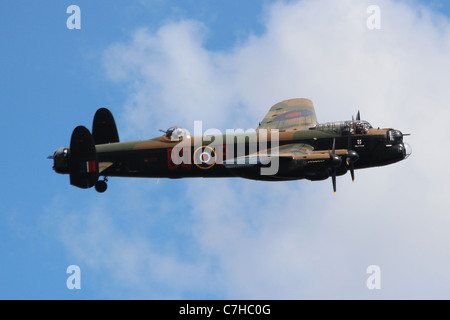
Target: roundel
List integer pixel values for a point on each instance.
(293, 114)
(205, 157)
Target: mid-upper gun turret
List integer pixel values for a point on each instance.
(175, 133)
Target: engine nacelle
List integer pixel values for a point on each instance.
(314, 170)
(61, 160)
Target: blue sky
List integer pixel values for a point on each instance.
(214, 239)
(52, 80)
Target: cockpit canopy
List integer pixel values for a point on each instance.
(345, 127)
(175, 133)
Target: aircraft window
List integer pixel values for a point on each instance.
(395, 136)
(345, 127)
(366, 126)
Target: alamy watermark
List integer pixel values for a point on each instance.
(74, 280)
(374, 280)
(236, 148)
(74, 20)
(373, 22)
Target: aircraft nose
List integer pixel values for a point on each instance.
(408, 150)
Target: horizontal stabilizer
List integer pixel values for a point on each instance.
(83, 166)
(102, 166)
(104, 128)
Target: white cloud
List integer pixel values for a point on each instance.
(168, 73)
(294, 240)
(126, 243)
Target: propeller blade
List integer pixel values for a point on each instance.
(335, 161)
(333, 179)
(352, 156)
(352, 171)
(348, 159)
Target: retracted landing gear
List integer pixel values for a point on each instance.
(101, 185)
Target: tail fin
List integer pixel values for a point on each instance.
(83, 164)
(104, 128)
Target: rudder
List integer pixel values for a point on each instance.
(83, 164)
(104, 128)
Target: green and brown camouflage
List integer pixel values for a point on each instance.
(293, 114)
(289, 141)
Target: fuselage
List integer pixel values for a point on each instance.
(206, 156)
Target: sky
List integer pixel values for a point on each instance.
(156, 64)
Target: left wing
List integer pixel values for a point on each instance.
(294, 114)
(292, 151)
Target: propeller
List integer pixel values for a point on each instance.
(351, 157)
(335, 162)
